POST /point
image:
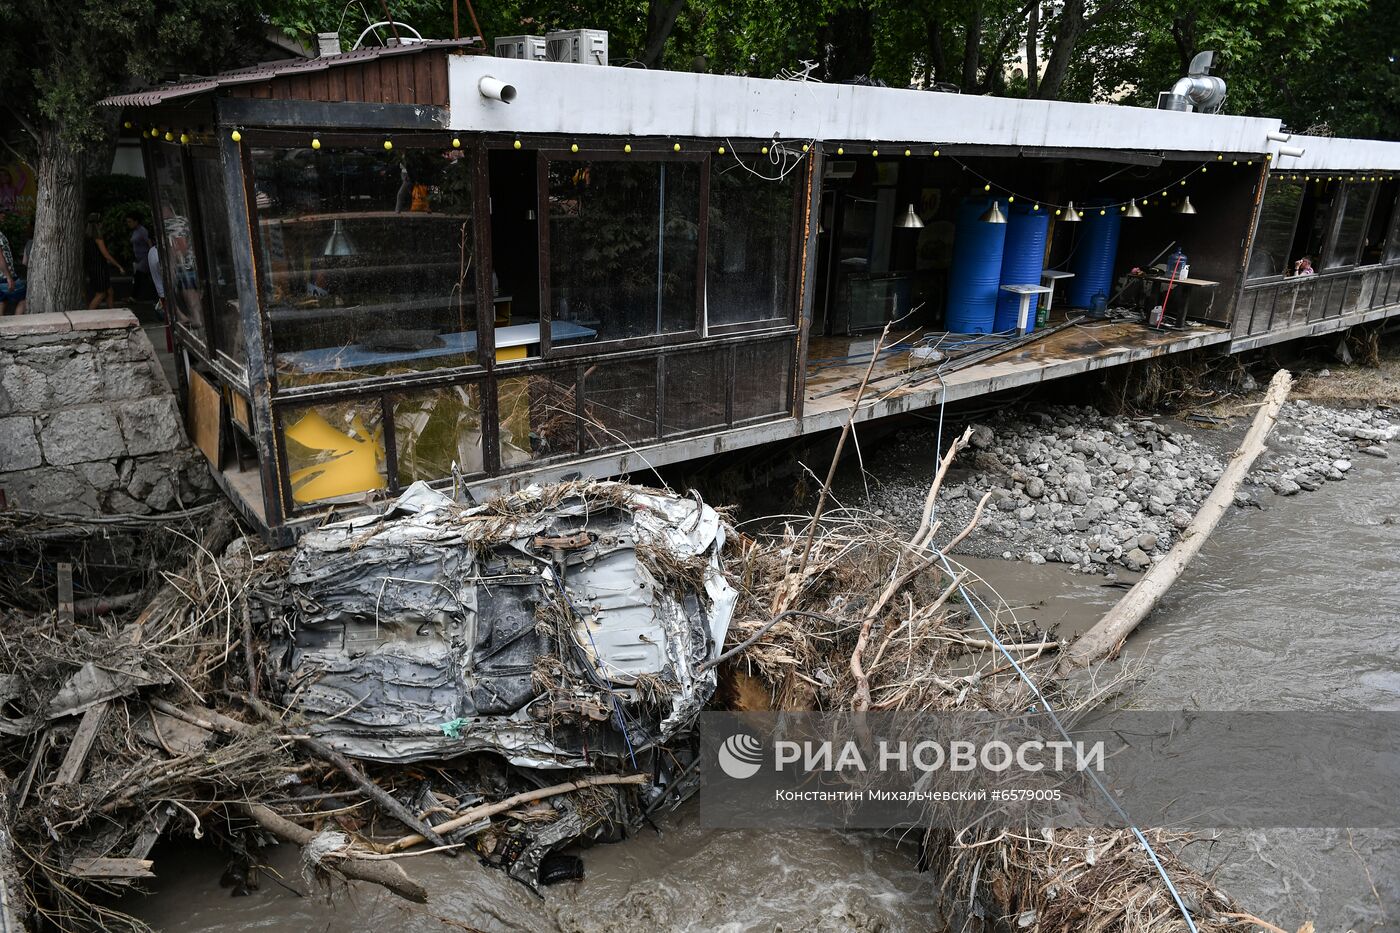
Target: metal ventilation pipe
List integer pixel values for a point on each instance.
(496, 90)
(1199, 90)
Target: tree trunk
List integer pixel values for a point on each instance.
(938, 60)
(661, 19)
(1071, 28)
(1032, 50)
(972, 49)
(56, 270)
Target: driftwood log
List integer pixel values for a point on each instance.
(385, 874)
(1105, 638)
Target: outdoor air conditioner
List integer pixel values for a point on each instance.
(527, 47)
(579, 46)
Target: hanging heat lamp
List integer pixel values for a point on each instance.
(991, 215)
(1071, 215)
(1133, 210)
(1186, 206)
(910, 220)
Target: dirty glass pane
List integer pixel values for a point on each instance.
(1344, 246)
(749, 241)
(334, 450)
(367, 260)
(537, 416)
(762, 375)
(177, 247)
(1273, 238)
(432, 430)
(218, 257)
(623, 242)
(619, 403)
(697, 385)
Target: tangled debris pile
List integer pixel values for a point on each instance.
(511, 678)
(869, 619)
(565, 629)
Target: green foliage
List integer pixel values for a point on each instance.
(58, 59)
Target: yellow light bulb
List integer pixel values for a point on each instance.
(1102, 213)
(628, 147)
(315, 143)
(1011, 199)
(1183, 183)
(986, 187)
(1122, 207)
(1236, 162)
(235, 136)
(935, 153)
(907, 152)
(456, 143)
(1204, 169)
(1035, 207)
(1057, 212)
(805, 147)
(840, 151)
(764, 150)
(721, 150)
(127, 124)
(874, 152)
(388, 144)
(573, 147)
(1219, 157)
(184, 139)
(516, 144)
(169, 136)
(676, 147)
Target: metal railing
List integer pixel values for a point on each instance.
(1284, 303)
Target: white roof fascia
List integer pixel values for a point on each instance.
(1326, 153)
(593, 100)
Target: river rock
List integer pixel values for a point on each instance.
(1147, 542)
(1136, 559)
(982, 437)
(1341, 466)
(1035, 487)
(1375, 451)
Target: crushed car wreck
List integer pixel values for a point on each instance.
(560, 628)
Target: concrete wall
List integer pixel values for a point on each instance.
(88, 423)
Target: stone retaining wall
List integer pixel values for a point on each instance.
(88, 423)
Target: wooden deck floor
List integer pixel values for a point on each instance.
(899, 384)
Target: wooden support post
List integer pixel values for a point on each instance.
(1105, 638)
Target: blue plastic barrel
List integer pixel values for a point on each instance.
(975, 273)
(1094, 255)
(1023, 259)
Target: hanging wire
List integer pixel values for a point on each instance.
(1157, 190)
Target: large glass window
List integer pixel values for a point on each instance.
(1351, 227)
(176, 249)
(697, 387)
(1273, 237)
(750, 245)
(619, 403)
(538, 416)
(367, 258)
(623, 249)
(762, 379)
(435, 429)
(218, 257)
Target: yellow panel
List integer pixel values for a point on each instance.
(351, 465)
(506, 354)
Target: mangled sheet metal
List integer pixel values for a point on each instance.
(558, 627)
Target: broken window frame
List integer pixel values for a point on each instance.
(1341, 263)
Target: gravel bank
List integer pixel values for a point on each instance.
(1099, 492)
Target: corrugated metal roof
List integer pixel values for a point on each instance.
(266, 71)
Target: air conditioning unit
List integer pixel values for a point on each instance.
(527, 47)
(579, 46)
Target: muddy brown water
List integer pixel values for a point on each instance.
(1294, 606)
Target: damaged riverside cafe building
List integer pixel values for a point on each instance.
(424, 262)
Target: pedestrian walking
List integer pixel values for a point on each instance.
(12, 289)
(98, 265)
(141, 286)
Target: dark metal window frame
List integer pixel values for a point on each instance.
(487, 372)
(1334, 224)
(1254, 237)
(411, 139)
(696, 333)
